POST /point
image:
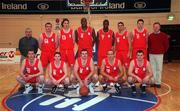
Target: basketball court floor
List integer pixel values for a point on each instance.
(165, 98)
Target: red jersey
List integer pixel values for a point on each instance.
(140, 71)
(84, 71)
(57, 72)
(66, 40)
(85, 39)
(140, 39)
(105, 41)
(31, 69)
(48, 43)
(122, 41)
(111, 70)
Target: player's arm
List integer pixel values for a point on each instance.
(40, 41)
(93, 36)
(76, 36)
(22, 70)
(92, 67)
(103, 70)
(129, 37)
(56, 41)
(65, 73)
(113, 41)
(149, 73)
(97, 41)
(73, 36)
(76, 66)
(121, 69)
(147, 35)
(50, 73)
(130, 71)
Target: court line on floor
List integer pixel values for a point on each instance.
(134, 99)
(166, 93)
(31, 102)
(6, 97)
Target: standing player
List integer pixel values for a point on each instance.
(123, 45)
(111, 71)
(58, 73)
(84, 70)
(139, 39)
(105, 41)
(48, 44)
(85, 36)
(139, 71)
(66, 47)
(31, 73)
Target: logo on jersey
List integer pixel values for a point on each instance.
(35, 68)
(81, 35)
(63, 37)
(46, 41)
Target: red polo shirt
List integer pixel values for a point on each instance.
(158, 43)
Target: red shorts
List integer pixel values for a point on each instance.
(32, 80)
(46, 58)
(122, 56)
(135, 51)
(68, 56)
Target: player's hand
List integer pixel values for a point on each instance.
(111, 78)
(139, 79)
(86, 82)
(117, 78)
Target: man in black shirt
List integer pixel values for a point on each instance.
(27, 42)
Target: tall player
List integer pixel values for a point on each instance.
(139, 39)
(123, 45)
(31, 73)
(140, 71)
(84, 37)
(105, 41)
(111, 71)
(66, 46)
(48, 44)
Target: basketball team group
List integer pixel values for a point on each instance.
(122, 58)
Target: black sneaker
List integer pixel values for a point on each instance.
(143, 89)
(21, 88)
(65, 89)
(104, 87)
(118, 88)
(133, 89)
(158, 85)
(54, 89)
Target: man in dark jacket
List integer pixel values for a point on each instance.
(27, 42)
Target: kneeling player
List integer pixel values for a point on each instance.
(31, 73)
(111, 72)
(84, 71)
(58, 73)
(139, 71)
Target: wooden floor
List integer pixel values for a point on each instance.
(169, 93)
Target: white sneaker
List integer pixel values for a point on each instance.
(28, 88)
(40, 88)
(91, 89)
(77, 90)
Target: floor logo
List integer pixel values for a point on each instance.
(99, 101)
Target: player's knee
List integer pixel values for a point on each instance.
(130, 80)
